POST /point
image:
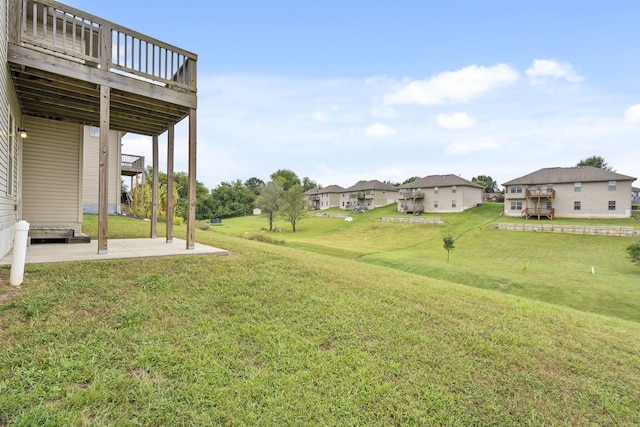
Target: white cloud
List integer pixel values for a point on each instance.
(378, 130)
(456, 121)
(545, 71)
(632, 114)
(383, 113)
(462, 147)
(320, 117)
(454, 86)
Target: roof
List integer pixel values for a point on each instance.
(573, 174)
(439, 181)
(325, 190)
(371, 185)
(331, 189)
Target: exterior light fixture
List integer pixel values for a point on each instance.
(22, 133)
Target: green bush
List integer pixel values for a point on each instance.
(634, 253)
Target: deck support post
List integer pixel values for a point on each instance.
(103, 169)
(191, 215)
(170, 201)
(154, 190)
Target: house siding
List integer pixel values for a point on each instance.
(9, 197)
(51, 174)
(90, 169)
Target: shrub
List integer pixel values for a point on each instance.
(634, 253)
(201, 225)
(262, 238)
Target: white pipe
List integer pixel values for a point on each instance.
(19, 252)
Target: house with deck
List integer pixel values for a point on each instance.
(368, 195)
(64, 71)
(573, 192)
(439, 193)
(323, 198)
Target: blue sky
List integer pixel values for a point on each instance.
(341, 91)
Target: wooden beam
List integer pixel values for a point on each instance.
(102, 76)
(191, 215)
(154, 190)
(103, 170)
(171, 208)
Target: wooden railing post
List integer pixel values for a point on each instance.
(170, 201)
(154, 189)
(191, 215)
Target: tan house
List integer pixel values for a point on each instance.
(439, 193)
(64, 70)
(368, 195)
(574, 192)
(323, 198)
(120, 165)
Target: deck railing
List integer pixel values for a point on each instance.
(411, 195)
(77, 35)
(132, 163)
(547, 192)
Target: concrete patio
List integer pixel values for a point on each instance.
(118, 249)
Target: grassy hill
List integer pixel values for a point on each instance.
(273, 335)
(555, 268)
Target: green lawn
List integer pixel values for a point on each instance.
(273, 335)
(555, 268)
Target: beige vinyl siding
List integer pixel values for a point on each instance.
(91, 151)
(51, 172)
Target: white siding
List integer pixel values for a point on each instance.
(51, 173)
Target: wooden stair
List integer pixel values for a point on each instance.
(56, 235)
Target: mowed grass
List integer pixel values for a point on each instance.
(272, 335)
(555, 268)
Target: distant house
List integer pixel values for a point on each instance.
(635, 195)
(369, 195)
(574, 192)
(439, 193)
(323, 198)
(493, 197)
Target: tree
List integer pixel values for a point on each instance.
(231, 199)
(596, 161)
(286, 177)
(489, 184)
(389, 182)
(634, 253)
(308, 184)
(448, 244)
(270, 200)
(409, 180)
(293, 204)
(254, 185)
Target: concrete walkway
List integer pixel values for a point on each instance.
(117, 249)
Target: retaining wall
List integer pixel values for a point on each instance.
(572, 229)
(412, 220)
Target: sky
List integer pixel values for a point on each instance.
(350, 90)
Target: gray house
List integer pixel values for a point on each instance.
(574, 192)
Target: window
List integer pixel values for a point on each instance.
(549, 187)
(548, 204)
(576, 206)
(612, 205)
(435, 204)
(612, 187)
(516, 189)
(94, 131)
(453, 203)
(454, 189)
(435, 190)
(516, 206)
(577, 187)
